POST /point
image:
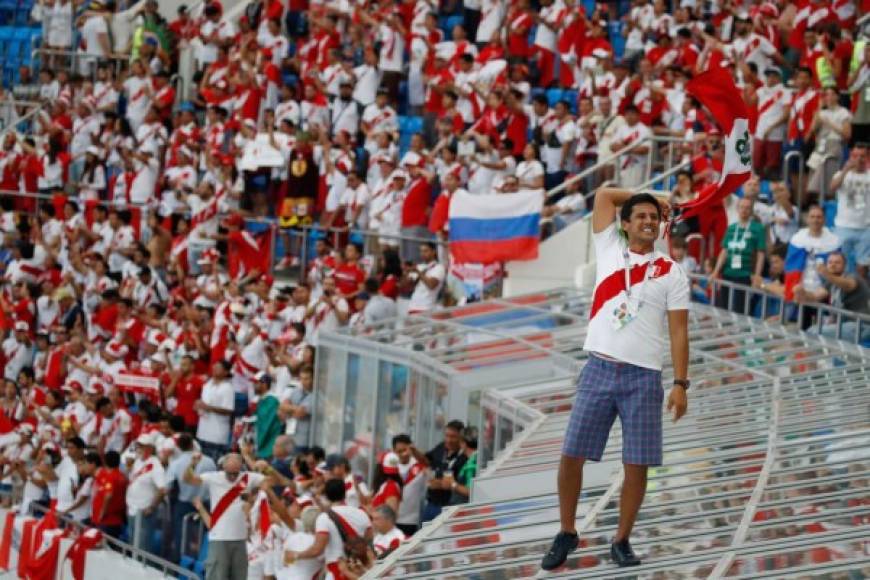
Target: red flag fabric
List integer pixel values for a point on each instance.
(26, 546)
(247, 252)
(78, 552)
(6, 540)
(715, 89)
(43, 562)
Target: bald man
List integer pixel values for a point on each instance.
(228, 531)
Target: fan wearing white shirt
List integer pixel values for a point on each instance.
(428, 279)
(146, 489)
(215, 408)
(227, 521)
(328, 540)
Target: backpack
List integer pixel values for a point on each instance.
(355, 546)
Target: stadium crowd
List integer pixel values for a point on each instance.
(144, 330)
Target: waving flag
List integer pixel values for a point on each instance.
(494, 228)
(715, 89)
(803, 248)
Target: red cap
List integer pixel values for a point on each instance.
(234, 219)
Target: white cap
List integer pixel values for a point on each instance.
(147, 439)
(413, 159)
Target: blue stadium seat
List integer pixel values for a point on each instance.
(570, 95)
(8, 9)
(554, 96)
(537, 92)
(410, 124)
(589, 6)
(6, 35)
(449, 23)
(830, 212)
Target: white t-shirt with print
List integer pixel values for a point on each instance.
(642, 341)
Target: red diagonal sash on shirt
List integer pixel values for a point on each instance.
(228, 498)
(611, 286)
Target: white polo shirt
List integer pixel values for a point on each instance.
(384, 543)
(658, 284)
(232, 525)
(214, 427)
(146, 479)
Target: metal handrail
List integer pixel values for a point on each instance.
(25, 117)
(609, 161)
(826, 183)
(672, 171)
(123, 548)
(800, 309)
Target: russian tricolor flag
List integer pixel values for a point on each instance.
(803, 247)
(495, 228)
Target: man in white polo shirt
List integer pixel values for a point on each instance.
(638, 294)
(428, 278)
(228, 525)
(146, 490)
(215, 408)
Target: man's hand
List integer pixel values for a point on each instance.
(677, 402)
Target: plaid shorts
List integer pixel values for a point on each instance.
(606, 389)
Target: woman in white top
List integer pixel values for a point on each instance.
(530, 171)
(784, 215)
(52, 169)
(296, 542)
(92, 184)
(832, 127)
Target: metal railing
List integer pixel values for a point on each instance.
(126, 550)
(13, 125)
(652, 141)
(825, 184)
(813, 317)
(75, 58)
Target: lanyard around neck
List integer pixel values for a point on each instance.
(647, 274)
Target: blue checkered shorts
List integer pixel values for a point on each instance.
(607, 389)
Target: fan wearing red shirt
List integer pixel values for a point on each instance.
(349, 275)
(519, 23)
(109, 508)
(415, 210)
(186, 387)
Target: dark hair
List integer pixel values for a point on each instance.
(102, 402)
(432, 245)
(631, 108)
(392, 263)
(77, 442)
(176, 423)
(469, 436)
(333, 489)
(456, 425)
(402, 438)
(317, 453)
(678, 242)
(637, 199)
(184, 442)
(113, 459)
(779, 250)
(93, 458)
(372, 285)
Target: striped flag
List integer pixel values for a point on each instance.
(496, 227)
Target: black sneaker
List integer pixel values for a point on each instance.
(563, 544)
(622, 554)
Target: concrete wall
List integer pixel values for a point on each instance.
(562, 262)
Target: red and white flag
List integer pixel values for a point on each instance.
(715, 89)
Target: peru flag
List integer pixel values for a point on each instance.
(715, 89)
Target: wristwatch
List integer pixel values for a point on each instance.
(683, 383)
